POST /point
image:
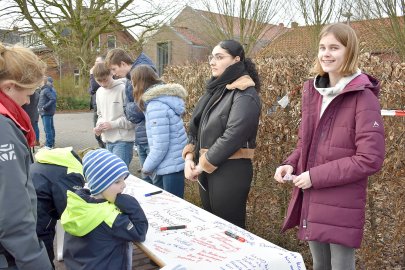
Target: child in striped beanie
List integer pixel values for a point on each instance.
(103, 169)
(102, 219)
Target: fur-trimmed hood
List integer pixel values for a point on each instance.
(172, 94)
(169, 89)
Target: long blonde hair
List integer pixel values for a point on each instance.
(143, 77)
(345, 35)
(21, 66)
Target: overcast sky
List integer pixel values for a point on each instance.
(7, 22)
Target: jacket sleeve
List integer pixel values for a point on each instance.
(131, 224)
(17, 213)
(370, 148)
(100, 118)
(51, 99)
(128, 91)
(158, 133)
(93, 85)
(133, 113)
(243, 118)
(122, 123)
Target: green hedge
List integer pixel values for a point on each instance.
(71, 96)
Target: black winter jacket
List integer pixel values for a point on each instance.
(229, 128)
(51, 183)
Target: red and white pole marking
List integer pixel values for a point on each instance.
(393, 112)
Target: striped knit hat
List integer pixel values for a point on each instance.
(102, 168)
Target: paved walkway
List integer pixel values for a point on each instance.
(75, 129)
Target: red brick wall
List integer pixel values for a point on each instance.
(123, 40)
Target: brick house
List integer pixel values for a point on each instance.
(189, 38)
(303, 40)
(9, 36)
(63, 68)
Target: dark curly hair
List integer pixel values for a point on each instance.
(234, 48)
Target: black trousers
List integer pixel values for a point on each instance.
(48, 242)
(227, 189)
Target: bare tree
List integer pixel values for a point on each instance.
(387, 18)
(243, 20)
(317, 13)
(71, 28)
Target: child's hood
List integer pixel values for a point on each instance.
(81, 217)
(118, 82)
(61, 157)
(171, 94)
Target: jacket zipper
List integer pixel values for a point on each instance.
(304, 203)
(49, 223)
(206, 115)
(321, 119)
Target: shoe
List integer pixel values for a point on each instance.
(46, 148)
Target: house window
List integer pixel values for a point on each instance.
(111, 42)
(76, 76)
(28, 40)
(35, 40)
(99, 43)
(162, 56)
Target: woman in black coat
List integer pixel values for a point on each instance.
(222, 133)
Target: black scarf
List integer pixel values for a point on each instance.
(214, 90)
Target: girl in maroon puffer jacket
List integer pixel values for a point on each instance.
(341, 143)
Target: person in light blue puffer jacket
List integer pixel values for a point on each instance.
(164, 106)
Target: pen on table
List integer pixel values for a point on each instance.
(153, 193)
(241, 239)
(173, 227)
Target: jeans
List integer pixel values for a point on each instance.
(36, 130)
(143, 152)
(327, 256)
(49, 129)
(121, 149)
(174, 183)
